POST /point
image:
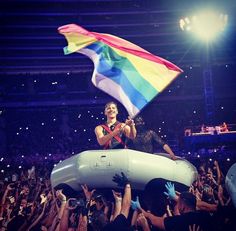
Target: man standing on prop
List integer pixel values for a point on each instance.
(113, 134)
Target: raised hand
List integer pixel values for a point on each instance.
(10, 186)
(121, 180)
(170, 190)
(60, 195)
(194, 227)
(142, 221)
(88, 194)
(117, 196)
(135, 205)
(43, 198)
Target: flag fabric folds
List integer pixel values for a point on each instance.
(122, 69)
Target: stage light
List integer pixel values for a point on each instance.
(206, 25)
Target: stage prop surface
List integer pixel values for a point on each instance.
(96, 168)
(230, 183)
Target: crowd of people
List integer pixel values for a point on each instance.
(28, 201)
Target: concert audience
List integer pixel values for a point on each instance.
(29, 203)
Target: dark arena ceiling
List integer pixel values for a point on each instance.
(30, 43)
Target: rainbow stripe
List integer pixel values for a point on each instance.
(122, 69)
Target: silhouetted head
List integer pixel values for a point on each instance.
(187, 202)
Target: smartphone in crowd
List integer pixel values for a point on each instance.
(73, 202)
(14, 178)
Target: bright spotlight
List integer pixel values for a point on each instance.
(205, 25)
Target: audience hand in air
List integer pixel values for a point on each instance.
(117, 196)
(121, 180)
(170, 191)
(135, 205)
(88, 194)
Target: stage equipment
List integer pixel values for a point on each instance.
(96, 168)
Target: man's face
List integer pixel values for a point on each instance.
(111, 110)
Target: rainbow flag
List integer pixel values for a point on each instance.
(122, 69)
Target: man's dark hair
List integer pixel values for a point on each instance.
(111, 102)
(188, 199)
(98, 220)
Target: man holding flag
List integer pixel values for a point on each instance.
(113, 134)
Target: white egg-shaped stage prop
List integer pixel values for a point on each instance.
(230, 183)
(96, 168)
